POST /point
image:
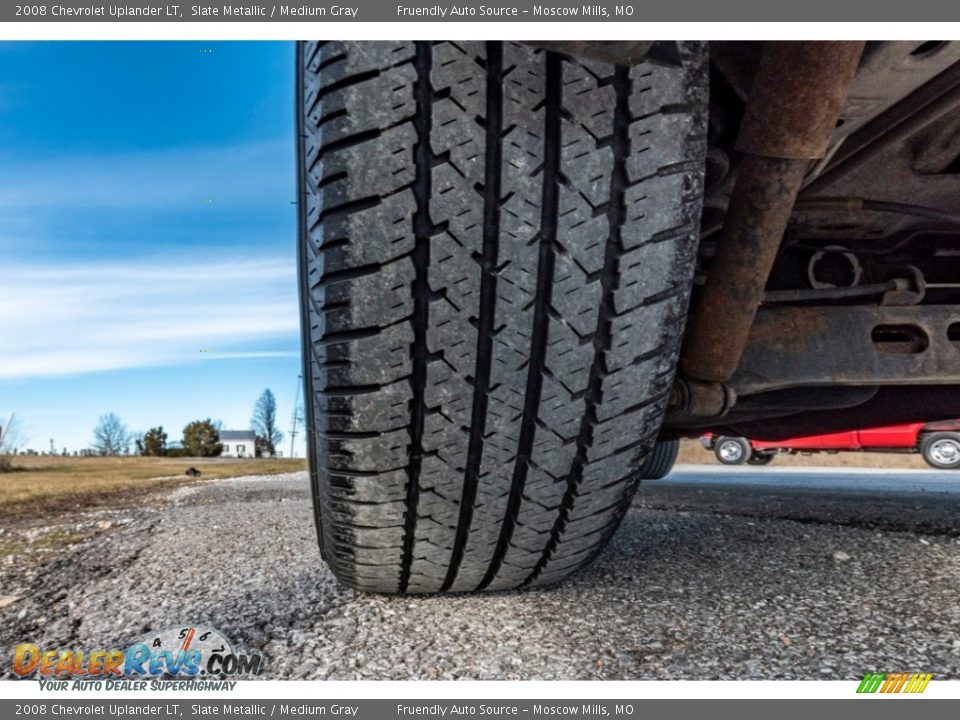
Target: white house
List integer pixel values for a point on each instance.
(238, 443)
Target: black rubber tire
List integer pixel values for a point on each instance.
(760, 458)
(496, 248)
(928, 446)
(728, 459)
(660, 460)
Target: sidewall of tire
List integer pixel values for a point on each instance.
(661, 460)
(760, 458)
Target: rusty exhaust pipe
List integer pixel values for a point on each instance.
(794, 106)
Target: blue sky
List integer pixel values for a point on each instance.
(147, 235)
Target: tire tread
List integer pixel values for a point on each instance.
(492, 308)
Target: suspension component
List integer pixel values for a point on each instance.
(794, 106)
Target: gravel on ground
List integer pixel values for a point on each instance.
(753, 574)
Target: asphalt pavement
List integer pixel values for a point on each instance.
(716, 573)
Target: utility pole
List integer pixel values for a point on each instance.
(296, 415)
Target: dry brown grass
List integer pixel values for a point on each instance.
(47, 484)
(692, 452)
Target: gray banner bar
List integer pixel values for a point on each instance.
(873, 708)
(492, 11)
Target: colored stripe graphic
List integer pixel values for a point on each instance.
(894, 682)
(870, 683)
(919, 682)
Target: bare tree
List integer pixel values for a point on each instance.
(264, 424)
(110, 436)
(11, 438)
(10, 441)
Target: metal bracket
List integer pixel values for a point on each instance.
(855, 345)
(691, 400)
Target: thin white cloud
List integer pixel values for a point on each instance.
(96, 316)
(251, 355)
(165, 178)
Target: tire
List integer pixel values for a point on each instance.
(660, 460)
(732, 450)
(760, 458)
(496, 252)
(941, 450)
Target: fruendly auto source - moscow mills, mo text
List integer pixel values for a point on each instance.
(456, 11)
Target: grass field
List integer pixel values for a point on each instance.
(50, 484)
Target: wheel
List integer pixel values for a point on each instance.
(760, 458)
(732, 450)
(496, 251)
(941, 450)
(660, 460)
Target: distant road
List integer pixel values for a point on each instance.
(911, 500)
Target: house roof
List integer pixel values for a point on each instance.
(238, 435)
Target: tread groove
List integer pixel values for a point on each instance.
(602, 338)
(422, 227)
(488, 298)
(541, 320)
